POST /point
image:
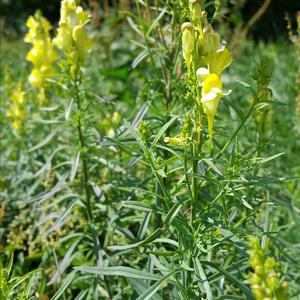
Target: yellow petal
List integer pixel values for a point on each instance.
(211, 81)
(219, 60)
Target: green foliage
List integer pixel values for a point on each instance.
(92, 195)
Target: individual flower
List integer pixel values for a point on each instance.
(210, 97)
(196, 13)
(211, 41)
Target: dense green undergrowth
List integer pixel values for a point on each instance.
(97, 205)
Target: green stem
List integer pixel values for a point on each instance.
(84, 164)
(90, 215)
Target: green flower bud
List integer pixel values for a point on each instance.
(212, 41)
(145, 131)
(188, 43)
(196, 12)
(269, 264)
(272, 280)
(174, 140)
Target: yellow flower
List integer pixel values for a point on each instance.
(116, 118)
(188, 43)
(196, 12)
(211, 96)
(36, 78)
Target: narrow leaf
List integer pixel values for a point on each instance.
(156, 286)
(75, 165)
(67, 281)
(119, 271)
(158, 232)
(59, 222)
(65, 262)
(162, 131)
(202, 275)
(45, 140)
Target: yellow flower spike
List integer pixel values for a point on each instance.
(188, 43)
(42, 54)
(219, 60)
(71, 36)
(211, 96)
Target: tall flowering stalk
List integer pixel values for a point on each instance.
(42, 54)
(75, 43)
(73, 40)
(206, 58)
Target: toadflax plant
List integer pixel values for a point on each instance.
(203, 189)
(159, 205)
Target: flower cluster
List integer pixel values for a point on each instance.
(71, 36)
(265, 280)
(17, 107)
(42, 54)
(206, 58)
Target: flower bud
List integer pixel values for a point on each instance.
(272, 280)
(211, 41)
(173, 140)
(196, 12)
(188, 43)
